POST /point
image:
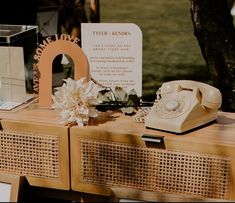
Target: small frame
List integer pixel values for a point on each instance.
(120, 194)
(10, 187)
(48, 20)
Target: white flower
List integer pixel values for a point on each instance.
(74, 102)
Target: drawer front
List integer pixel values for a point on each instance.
(42, 158)
(30, 154)
(105, 164)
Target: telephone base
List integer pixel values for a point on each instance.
(186, 131)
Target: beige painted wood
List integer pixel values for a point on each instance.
(53, 49)
(216, 139)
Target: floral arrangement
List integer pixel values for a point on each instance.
(74, 102)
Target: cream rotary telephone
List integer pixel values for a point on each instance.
(184, 105)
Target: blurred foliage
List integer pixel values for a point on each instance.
(170, 49)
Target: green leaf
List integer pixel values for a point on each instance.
(127, 110)
(133, 100)
(105, 96)
(120, 94)
(132, 92)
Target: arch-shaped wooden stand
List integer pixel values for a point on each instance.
(49, 53)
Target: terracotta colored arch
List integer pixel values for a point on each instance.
(81, 68)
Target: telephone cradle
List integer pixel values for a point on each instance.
(183, 106)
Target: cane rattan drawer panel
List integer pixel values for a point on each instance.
(29, 154)
(167, 171)
(41, 157)
(98, 163)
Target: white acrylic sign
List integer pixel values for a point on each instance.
(114, 52)
(12, 77)
(5, 192)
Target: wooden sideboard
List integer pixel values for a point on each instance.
(110, 152)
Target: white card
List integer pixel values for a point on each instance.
(5, 192)
(114, 52)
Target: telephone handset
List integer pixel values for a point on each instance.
(184, 105)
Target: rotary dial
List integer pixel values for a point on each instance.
(172, 106)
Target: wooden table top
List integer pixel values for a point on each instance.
(220, 132)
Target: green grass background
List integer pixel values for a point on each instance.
(170, 49)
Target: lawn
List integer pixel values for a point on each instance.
(170, 49)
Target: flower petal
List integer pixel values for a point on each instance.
(74, 102)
